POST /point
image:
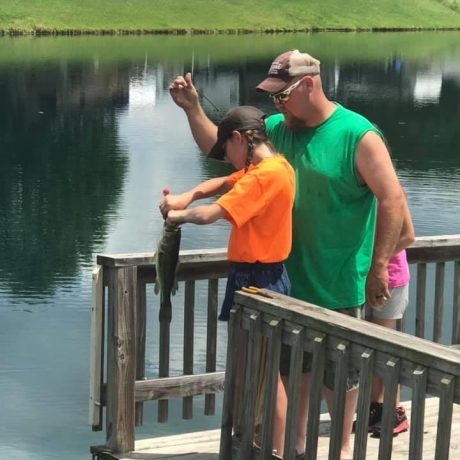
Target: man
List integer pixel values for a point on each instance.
(342, 166)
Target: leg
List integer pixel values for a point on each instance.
(392, 310)
(303, 413)
(280, 415)
(279, 421)
(377, 382)
(351, 398)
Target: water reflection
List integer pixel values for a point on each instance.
(88, 139)
(61, 171)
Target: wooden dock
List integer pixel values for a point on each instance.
(204, 445)
(258, 327)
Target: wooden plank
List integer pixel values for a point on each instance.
(338, 408)
(423, 249)
(211, 341)
(438, 302)
(121, 369)
(189, 272)
(456, 304)
(205, 445)
(179, 387)
(140, 325)
(189, 331)
(442, 248)
(295, 371)
(250, 386)
(445, 417)
(316, 388)
(417, 421)
(228, 417)
(274, 349)
(390, 381)
(186, 257)
(363, 406)
(96, 350)
(420, 301)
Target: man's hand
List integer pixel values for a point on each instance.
(377, 292)
(183, 92)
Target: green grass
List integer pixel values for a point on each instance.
(118, 16)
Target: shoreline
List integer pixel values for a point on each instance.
(267, 31)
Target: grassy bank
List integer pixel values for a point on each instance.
(209, 16)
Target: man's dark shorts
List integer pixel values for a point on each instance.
(329, 372)
(271, 276)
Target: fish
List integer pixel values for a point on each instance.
(166, 260)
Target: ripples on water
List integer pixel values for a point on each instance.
(434, 199)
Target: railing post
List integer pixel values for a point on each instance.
(339, 398)
(456, 304)
(438, 302)
(250, 385)
(390, 382)
(295, 373)
(121, 359)
(189, 332)
(273, 359)
(364, 401)
(228, 414)
(316, 388)
(446, 402)
(417, 421)
(97, 350)
(420, 301)
(211, 340)
(140, 325)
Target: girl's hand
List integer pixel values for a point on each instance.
(173, 202)
(175, 218)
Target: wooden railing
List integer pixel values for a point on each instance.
(118, 342)
(437, 250)
(337, 341)
(118, 336)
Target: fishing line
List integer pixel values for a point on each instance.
(221, 112)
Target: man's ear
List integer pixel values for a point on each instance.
(309, 82)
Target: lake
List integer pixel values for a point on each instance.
(89, 137)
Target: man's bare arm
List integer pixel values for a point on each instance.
(375, 169)
(185, 95)
(407, 236)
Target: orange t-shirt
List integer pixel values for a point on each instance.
(259, 207)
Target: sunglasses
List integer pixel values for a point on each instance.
(284, 96)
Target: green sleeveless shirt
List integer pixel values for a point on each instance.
(334, 215)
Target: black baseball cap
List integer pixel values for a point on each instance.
(241, 119)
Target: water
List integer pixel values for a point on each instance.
(88, 139)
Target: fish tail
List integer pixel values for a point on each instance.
(165, 310)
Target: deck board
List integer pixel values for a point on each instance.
(205, 445)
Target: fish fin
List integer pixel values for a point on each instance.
(175, 287)
(156, 283)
